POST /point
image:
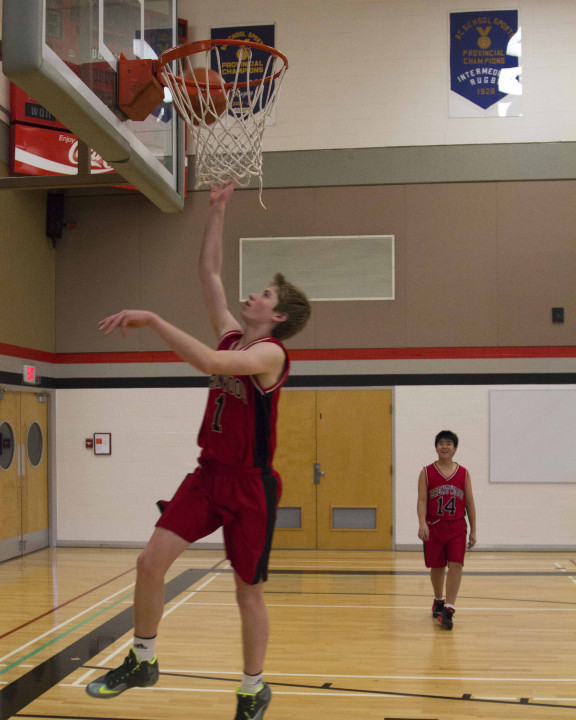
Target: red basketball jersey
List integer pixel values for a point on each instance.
(239, 425)
(446, 496)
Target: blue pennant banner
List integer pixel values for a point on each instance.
(234, 59)
(484, 55)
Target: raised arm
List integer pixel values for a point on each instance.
(210, 263)
(261, 359)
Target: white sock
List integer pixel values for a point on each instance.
(144, 648)
(251, 683)
(450, 606)
(442, 599)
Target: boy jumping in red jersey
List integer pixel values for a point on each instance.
(234, 485)
(444, 499)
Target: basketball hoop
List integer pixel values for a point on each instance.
(226, 118)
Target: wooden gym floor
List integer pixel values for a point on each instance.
(352, 636)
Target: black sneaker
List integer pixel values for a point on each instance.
(437, 607)
(251, 706)
(446, 618)
(130, 674)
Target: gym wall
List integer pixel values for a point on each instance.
(483, 212)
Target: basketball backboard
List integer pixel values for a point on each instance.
(64, 54)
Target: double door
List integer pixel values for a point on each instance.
(23, 473)
(334, 454)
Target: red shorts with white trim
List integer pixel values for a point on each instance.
(242, 501)
(447, 543)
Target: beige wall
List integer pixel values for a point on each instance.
(27, 271)
(477, 264)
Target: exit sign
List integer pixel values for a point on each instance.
(30, 375)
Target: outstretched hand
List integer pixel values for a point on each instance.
(126, 319)
(220, 194)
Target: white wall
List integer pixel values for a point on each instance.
(522, 515)
(111, 499)
(375, 73)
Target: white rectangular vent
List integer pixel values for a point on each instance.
(349, 267)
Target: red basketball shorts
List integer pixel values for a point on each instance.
(242, 501)
(447, 543)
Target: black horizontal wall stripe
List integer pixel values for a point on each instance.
(306, 381)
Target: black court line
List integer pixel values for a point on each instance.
(466, 697)
(268, 593)
(74, 717)
(89, 717)
(27, 688)
(468, 573)
(402, 595)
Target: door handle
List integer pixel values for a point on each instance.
(318, 474)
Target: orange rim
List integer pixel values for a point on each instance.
(192, 48)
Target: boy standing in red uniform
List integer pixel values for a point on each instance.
(234, 485)
(444, 499)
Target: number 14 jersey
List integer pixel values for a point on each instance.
(446, 496)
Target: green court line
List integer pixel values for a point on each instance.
(63, 635)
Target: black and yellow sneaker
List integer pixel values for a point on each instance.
(130, 674)
(251, 706)
(437, 608)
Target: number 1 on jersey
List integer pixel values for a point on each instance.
(216, 424)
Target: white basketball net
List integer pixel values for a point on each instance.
(228, 148)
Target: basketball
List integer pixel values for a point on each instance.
(207, 102)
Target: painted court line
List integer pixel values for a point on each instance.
(419, 608)
(58, 627)
(58, 637)
(436, 678)
(107, 659)
(342, 693)
(58, 607)
(406, 564)
(565, 571)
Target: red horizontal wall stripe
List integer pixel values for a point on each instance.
(27, 353)
(464, 353)
(121, 357)
(439, 353)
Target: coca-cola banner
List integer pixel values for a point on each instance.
(44, 151)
